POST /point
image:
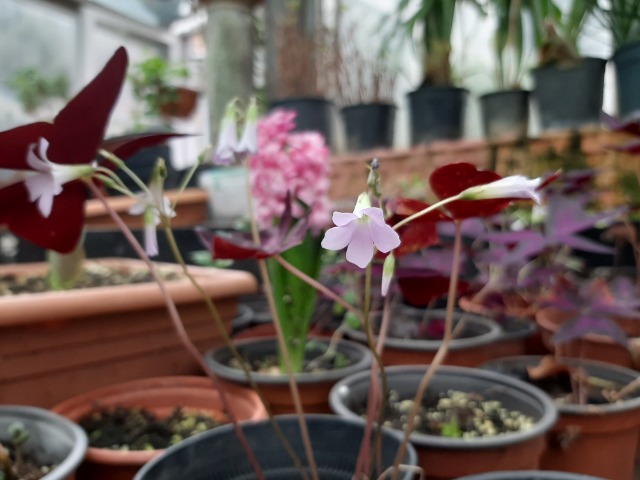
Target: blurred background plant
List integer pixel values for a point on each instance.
(34, 89)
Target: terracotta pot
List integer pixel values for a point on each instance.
(473, 350)
(593, 347)
(59, 344)
(191, 210)
(597, 440)
(444, 458)
(161, 396)
(52, 439)
(517, 311)
(183, 105)
(314, 387)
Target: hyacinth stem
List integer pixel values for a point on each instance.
(282, 344)
(442, 350)
(179, 326)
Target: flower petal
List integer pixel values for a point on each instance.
(360, 249)
(341, 219)
(383, 236)
(337, 238)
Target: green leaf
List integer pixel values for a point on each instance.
(451, 429)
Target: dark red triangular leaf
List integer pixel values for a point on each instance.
(449, 180)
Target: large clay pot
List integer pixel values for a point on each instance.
(160, 396)
(444, 458)
(52, 439)
(597, 440)
(314, 387)
(59, 344)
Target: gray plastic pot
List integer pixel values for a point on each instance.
(448, 458)
(314, 387)
(595, 440)
(52, 439)
(401, 350)
(218, 454)
(529, 475)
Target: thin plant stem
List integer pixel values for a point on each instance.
(442, 350)
(424, 211)
(174, 315)
(282, 342)
(318, 286)
(293, 386)
(123, 166)
(215, 314)
(364, 455)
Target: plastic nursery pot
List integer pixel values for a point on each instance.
(335, 442)
(597, 440)
(314, 387)
(52, 439)
(444, 458)
(368, 126)
(529, 475)
(591, 346)
(505, 114)
(161, 396)
(437, 113)
(468, 349)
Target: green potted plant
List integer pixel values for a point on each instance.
(156, 84)
(437, 107)
(622, 18)
(568, 88)
(34, 89)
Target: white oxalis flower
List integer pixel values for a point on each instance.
(154, 206)
(48, 177)
(515, 186)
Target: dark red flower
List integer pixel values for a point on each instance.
(72, 139)
(451, 179)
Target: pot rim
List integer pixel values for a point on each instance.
(252, 425)
(73, 431)
(591, 366)
(529, 475)
(236, 375)
(494, 333)
(543, 401)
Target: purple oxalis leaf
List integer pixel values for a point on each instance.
(584, 324)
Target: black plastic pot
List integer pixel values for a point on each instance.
(446, 457)
(569, 97)
(471, 347)
(529, 475)
(437, 113)
(369, 126)
(52, 439)
(505, 114)
(218, 454)
(314, 387)
(627, 62)
(313, 114)
(595, 440)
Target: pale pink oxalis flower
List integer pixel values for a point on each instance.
(360, 232)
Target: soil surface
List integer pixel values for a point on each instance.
(314, 361)
(27, 469)
(93, 275)
(138, 429)
(455, 414)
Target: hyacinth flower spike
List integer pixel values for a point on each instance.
(48, 207)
